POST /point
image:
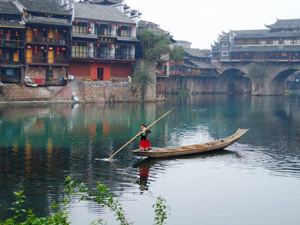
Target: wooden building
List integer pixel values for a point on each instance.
(280, 42)
(196, 62)
(103, 43)
(47, 40)
(11, 43)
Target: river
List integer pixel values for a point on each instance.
(255, 181)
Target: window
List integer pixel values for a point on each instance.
(225, 53)
(287, 42)
(263, 42)
(79, 51)
(225, 44)
(79, 28)
(9, 72)
(103, 29)
(275, 42)
(124, 31)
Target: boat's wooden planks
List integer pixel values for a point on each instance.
(192, 149)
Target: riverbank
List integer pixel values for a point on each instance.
(75, 91)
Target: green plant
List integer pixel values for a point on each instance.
(177, 54)
(17, 206)
(102, 196)
(21, 216)
(105, 198)
(160, 209)
(142, 78)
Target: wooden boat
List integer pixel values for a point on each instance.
(192, 149)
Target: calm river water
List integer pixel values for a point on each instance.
(255, 181)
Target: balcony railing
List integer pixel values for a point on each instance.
(125, 56)
(11, 43)
(10, 61)
(104, 56)
(46, 40)
(46, 60)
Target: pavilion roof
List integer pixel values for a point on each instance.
(44, 6)
(200, 53)
(8, 7)
(286, 24)
(100, 13)
(48, 20)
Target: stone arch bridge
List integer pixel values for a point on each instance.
(256, 78)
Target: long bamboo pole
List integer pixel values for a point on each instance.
(138, 134)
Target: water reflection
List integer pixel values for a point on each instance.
(148, 169)
(40, 145)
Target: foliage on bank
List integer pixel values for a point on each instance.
(155, 49)
(60, 216)
(154, 46)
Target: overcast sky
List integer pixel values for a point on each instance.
(201, 21)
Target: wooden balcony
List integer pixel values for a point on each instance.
(46, 61)
(11, 43)
(48, 41)
(103, 56)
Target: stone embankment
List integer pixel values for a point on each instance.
(81, 91)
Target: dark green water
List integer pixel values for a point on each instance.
(256, 181)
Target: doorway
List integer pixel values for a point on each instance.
(100, 73)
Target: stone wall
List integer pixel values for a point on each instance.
(76, 90)
(107, 91)
(15, 92)
(186, 84)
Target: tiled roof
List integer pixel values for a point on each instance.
(266, 48)
(244, 34)
(286, 24)
(100, 13)
(8, 7)
(203, 65)
(147, 25)
(107, 2)
(196, 52)
(11, 24)
(45, 6)
(48, 20)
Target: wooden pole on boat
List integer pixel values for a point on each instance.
(138, 134)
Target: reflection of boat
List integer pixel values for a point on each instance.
(192, 149)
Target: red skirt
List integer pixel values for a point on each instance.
(145, 144)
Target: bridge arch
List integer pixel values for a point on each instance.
(278, 82)
(235, 81)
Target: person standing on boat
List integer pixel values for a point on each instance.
(144, 141)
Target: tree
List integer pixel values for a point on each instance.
(142, 78)
(153, 46)
(177, 54)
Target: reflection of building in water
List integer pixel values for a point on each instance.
(28, 159)
(93, 129)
